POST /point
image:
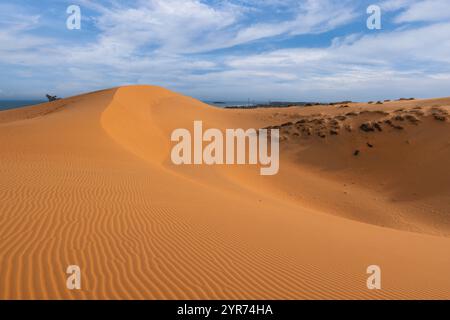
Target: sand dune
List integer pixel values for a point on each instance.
(88, 181)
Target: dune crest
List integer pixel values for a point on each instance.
(88, 181)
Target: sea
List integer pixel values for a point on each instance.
(12, 104)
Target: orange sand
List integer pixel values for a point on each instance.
(88, 181)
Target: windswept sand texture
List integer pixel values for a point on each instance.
(88, 181)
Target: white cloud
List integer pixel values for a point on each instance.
(389, 49)
(169, 25)
(14, 25)
(429, 10)
(312, 16)
(191, 26)
(394, 5)
(153, 42)
(371, 65)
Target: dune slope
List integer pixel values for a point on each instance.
(88, 181)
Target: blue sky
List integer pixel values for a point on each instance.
(307, 50)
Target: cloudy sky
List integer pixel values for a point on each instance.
(304, 50)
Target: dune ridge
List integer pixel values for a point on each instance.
(88, 180)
